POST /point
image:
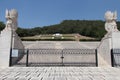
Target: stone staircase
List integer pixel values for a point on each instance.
(59, 73)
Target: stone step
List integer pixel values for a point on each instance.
(59, 73)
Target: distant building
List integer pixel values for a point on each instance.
(57, 36)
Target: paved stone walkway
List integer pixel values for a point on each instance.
(59, 73)
(60, 45)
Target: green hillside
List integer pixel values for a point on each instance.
(91, 28)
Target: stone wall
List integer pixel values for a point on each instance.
(104, 53)
(9, 40)
(104, 49)
(5, 46)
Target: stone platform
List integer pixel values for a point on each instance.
(59, 73)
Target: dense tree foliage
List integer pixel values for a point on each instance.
(2, 25)
(92, 28)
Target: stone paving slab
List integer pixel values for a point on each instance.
(59, 73)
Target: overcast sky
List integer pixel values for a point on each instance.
(39, 13)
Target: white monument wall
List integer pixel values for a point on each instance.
(5, 46)
(9, 39)
(104, 53)
(110, 41)
(116, 40)
(17, 43)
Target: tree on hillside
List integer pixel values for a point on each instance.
(2, 26)
(92, 28)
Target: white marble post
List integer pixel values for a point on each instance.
(110, 41)
(9, 38)
(5, 46)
